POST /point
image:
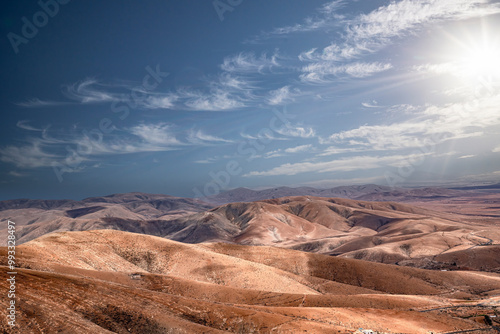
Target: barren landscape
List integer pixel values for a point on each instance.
(417, 228)
(141, 263)
(119, 282)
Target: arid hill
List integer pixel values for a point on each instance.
(35, 218)
(117, 282)
(386, 232)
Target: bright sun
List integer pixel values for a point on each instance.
(481, 63)
(471, 54)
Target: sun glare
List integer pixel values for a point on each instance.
(471, 56)
(481, 63)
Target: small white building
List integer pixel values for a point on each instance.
(364, 331)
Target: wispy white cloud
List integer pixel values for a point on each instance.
(338, 165)
(161, 101)
(473, 77)
(206, 161)
(27, 156)
(74, 149)
(371, 104)
(326, 17)
(199, 137)
(309, 24)
(332, 6)
(247, 62)
(273, 154)
(434, 123)
(466, 156)
(156, 138)
(382, 137)
(225, 92)
(296, 131)
(17, 174)
(287, 151)
(368, 33)
(135, 141)
(334, 52)
(333, 150)
(399, 136)
(282, 95)
(325, 72)
(89, 91)
(404, 16)
(25, 126)
(265, 136)
(299, 149)
(441, 68)
(496, 149)
(404, 108)
(157, 134)
(218, 100)
(231, 82)
(37, 103)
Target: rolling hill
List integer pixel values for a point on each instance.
(35, 218)
(424, 236)
(118, 282)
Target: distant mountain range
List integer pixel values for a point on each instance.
(368, 192)
(34, 218)
(160, 203)
(495, 187)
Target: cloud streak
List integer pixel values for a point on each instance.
(90, 91)
(38, 103)
(326, 17)
(27, 156)
(325, 72)
(45, 151)
(368, 33)
(157, 134)
(452, 121)
(226, 92)
(338, 165)
(282, 96)
(25, 126)
(200, 137)
(248, 63)
(297, 131)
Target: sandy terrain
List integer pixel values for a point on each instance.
(117, 282)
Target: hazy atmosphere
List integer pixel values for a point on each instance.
(190, 98)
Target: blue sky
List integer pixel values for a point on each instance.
(190, 98)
